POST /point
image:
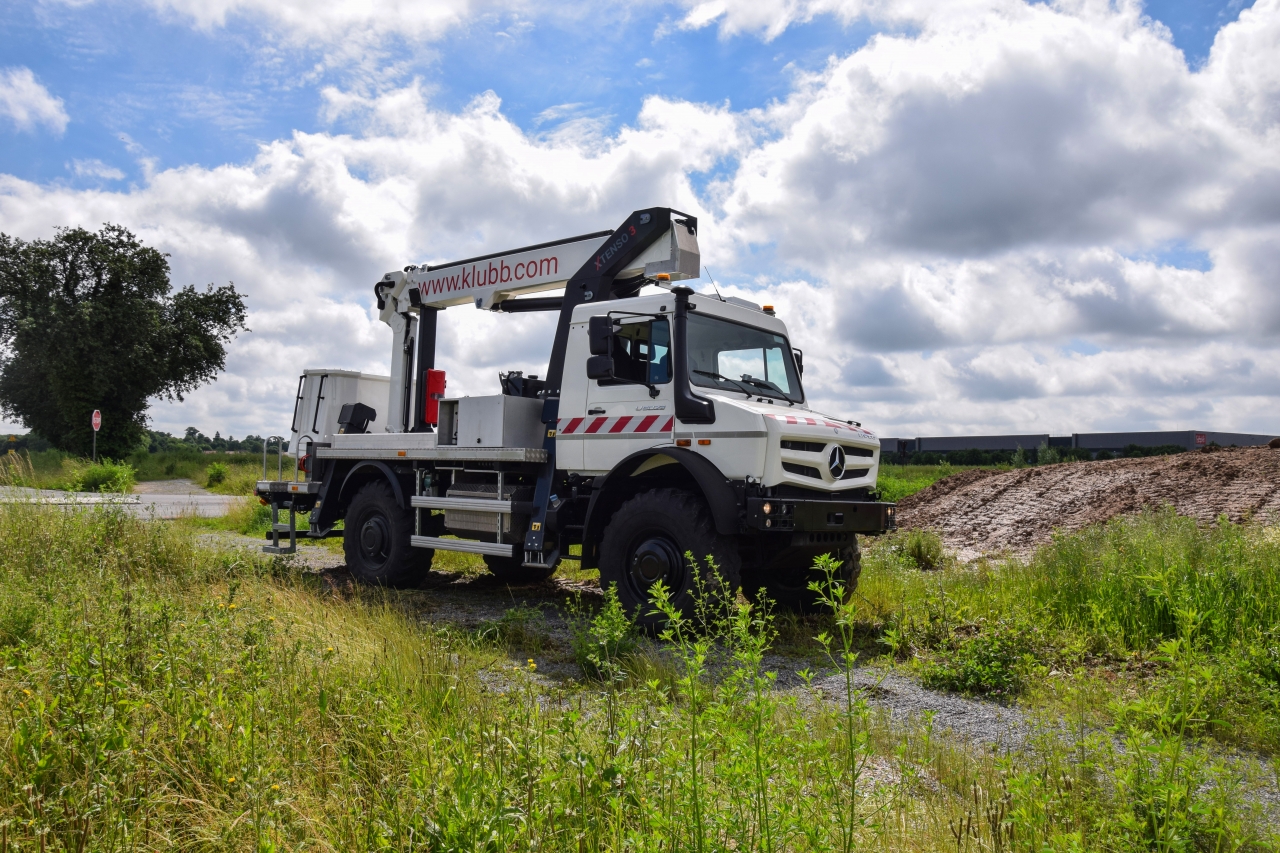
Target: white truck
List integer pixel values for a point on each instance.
(668, 423)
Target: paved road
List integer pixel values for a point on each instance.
(165, 499)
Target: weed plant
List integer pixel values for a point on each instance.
(163, 696)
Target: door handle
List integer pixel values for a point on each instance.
(595, 411)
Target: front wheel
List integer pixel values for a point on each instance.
(646, 541)
(376, 542)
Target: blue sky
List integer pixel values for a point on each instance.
(140, 83)
(995, 216)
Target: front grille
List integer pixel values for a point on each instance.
(855, 473)
(801, 470)
(858, 451)
(804, 446)
(826, 538)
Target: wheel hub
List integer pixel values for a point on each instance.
(375, 535)
(655, 559)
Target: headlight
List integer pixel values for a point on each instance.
(766, 508)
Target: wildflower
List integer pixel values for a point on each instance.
(28, 692)
(329, 649)
(275, 787)
(231, 607)
(231, 780)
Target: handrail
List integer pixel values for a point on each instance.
(297, 452)
(279, 440)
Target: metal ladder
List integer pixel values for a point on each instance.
(276, 526)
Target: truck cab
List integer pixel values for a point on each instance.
(669, 441)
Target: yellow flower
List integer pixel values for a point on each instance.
(231, 607)
(28, 692)
(275, 787)
(329, 649)
(231, 779)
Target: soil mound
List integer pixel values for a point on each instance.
(982, 512)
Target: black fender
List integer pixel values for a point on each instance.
(721, 497)
(362, 469)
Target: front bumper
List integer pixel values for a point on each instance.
(818, 516)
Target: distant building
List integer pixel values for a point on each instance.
(1113, 442)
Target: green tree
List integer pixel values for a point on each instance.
(88, 321)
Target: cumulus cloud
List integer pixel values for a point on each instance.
(962, 222)
(28, 104)
(312, 222)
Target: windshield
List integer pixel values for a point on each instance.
(733, 357)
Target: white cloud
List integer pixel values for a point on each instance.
(96, 169)
(28, 104)
(308, 227)
(962, 221)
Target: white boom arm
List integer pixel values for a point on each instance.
(488, 280)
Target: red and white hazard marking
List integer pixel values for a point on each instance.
(823, 422)
(625, 425)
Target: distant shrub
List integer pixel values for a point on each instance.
(1046, 455)
(105, 476)
(216, 473)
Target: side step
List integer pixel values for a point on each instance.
(466, 546)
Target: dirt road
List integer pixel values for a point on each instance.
(983, 512)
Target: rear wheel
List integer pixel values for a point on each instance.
(788, 588)
(510, 570)
(375, 540)
(646, 541)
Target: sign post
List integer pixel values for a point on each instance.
(97, 425)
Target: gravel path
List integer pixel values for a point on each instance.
(975, 721)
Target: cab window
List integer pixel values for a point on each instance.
(642, 353)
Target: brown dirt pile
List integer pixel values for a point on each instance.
(982, 512)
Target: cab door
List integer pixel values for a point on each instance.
(622, 416)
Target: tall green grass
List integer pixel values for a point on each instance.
(160, 695)
(1146, 590)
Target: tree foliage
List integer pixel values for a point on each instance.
(88, 321)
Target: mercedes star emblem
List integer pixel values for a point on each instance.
(836, 463)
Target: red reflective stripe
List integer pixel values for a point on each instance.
(810, 421)
(792, 420)
(644, 425)
(574, 423)
(667, 426)
(621, 424)
(596, 424)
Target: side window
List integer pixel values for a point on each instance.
(642, 353)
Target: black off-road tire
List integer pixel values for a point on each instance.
(511, 571)
(646, 540)
(376, 540)
(789, 590)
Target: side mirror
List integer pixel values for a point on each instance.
(799, 354)
(600, 335)
(600, 366)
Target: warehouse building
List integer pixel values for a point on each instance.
(1113, 442)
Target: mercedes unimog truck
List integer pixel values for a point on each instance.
(668, 423)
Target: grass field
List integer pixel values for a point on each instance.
(896, 482)
(160, 695)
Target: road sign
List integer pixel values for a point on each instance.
(97, 420)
